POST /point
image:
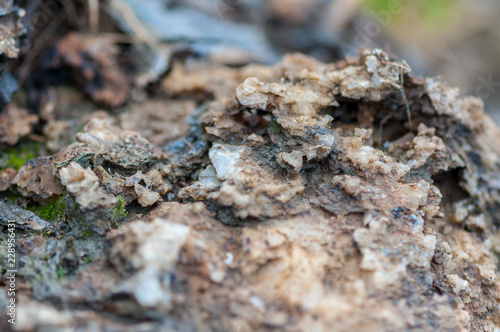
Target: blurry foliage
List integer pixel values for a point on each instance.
(437, 12)
(18, 155)
(61, 272)
(433, 14)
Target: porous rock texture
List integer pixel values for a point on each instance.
(302, 197)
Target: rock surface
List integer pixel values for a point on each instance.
(15, 123)
(302, 196)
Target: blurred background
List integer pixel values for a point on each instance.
(458, 39)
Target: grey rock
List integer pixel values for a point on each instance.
(23, 219)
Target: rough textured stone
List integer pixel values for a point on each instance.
(303, 196)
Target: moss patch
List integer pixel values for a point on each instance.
(432, 13)
(17, 156)
(274, 128)
(10, 197)
(61, 272)
(119, 211)
(55, 210)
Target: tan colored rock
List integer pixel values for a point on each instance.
(158, 122)
(146, 252)
(15, 123)
(94, 60)
(35, 179)
(121, 148)
(84, 185)
(309, 203)
(6, 177)
(144, 196)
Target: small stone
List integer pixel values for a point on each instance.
(144, 196)
(84, 185)
(22, 218)
(249, 94)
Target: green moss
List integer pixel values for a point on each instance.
(88, 259)
(432, 13)
(17, 156)
(11, 198)
(377, 5)
(437, 13)
(61, 272)
(55, 210)
(119, 211)
(274, 128)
